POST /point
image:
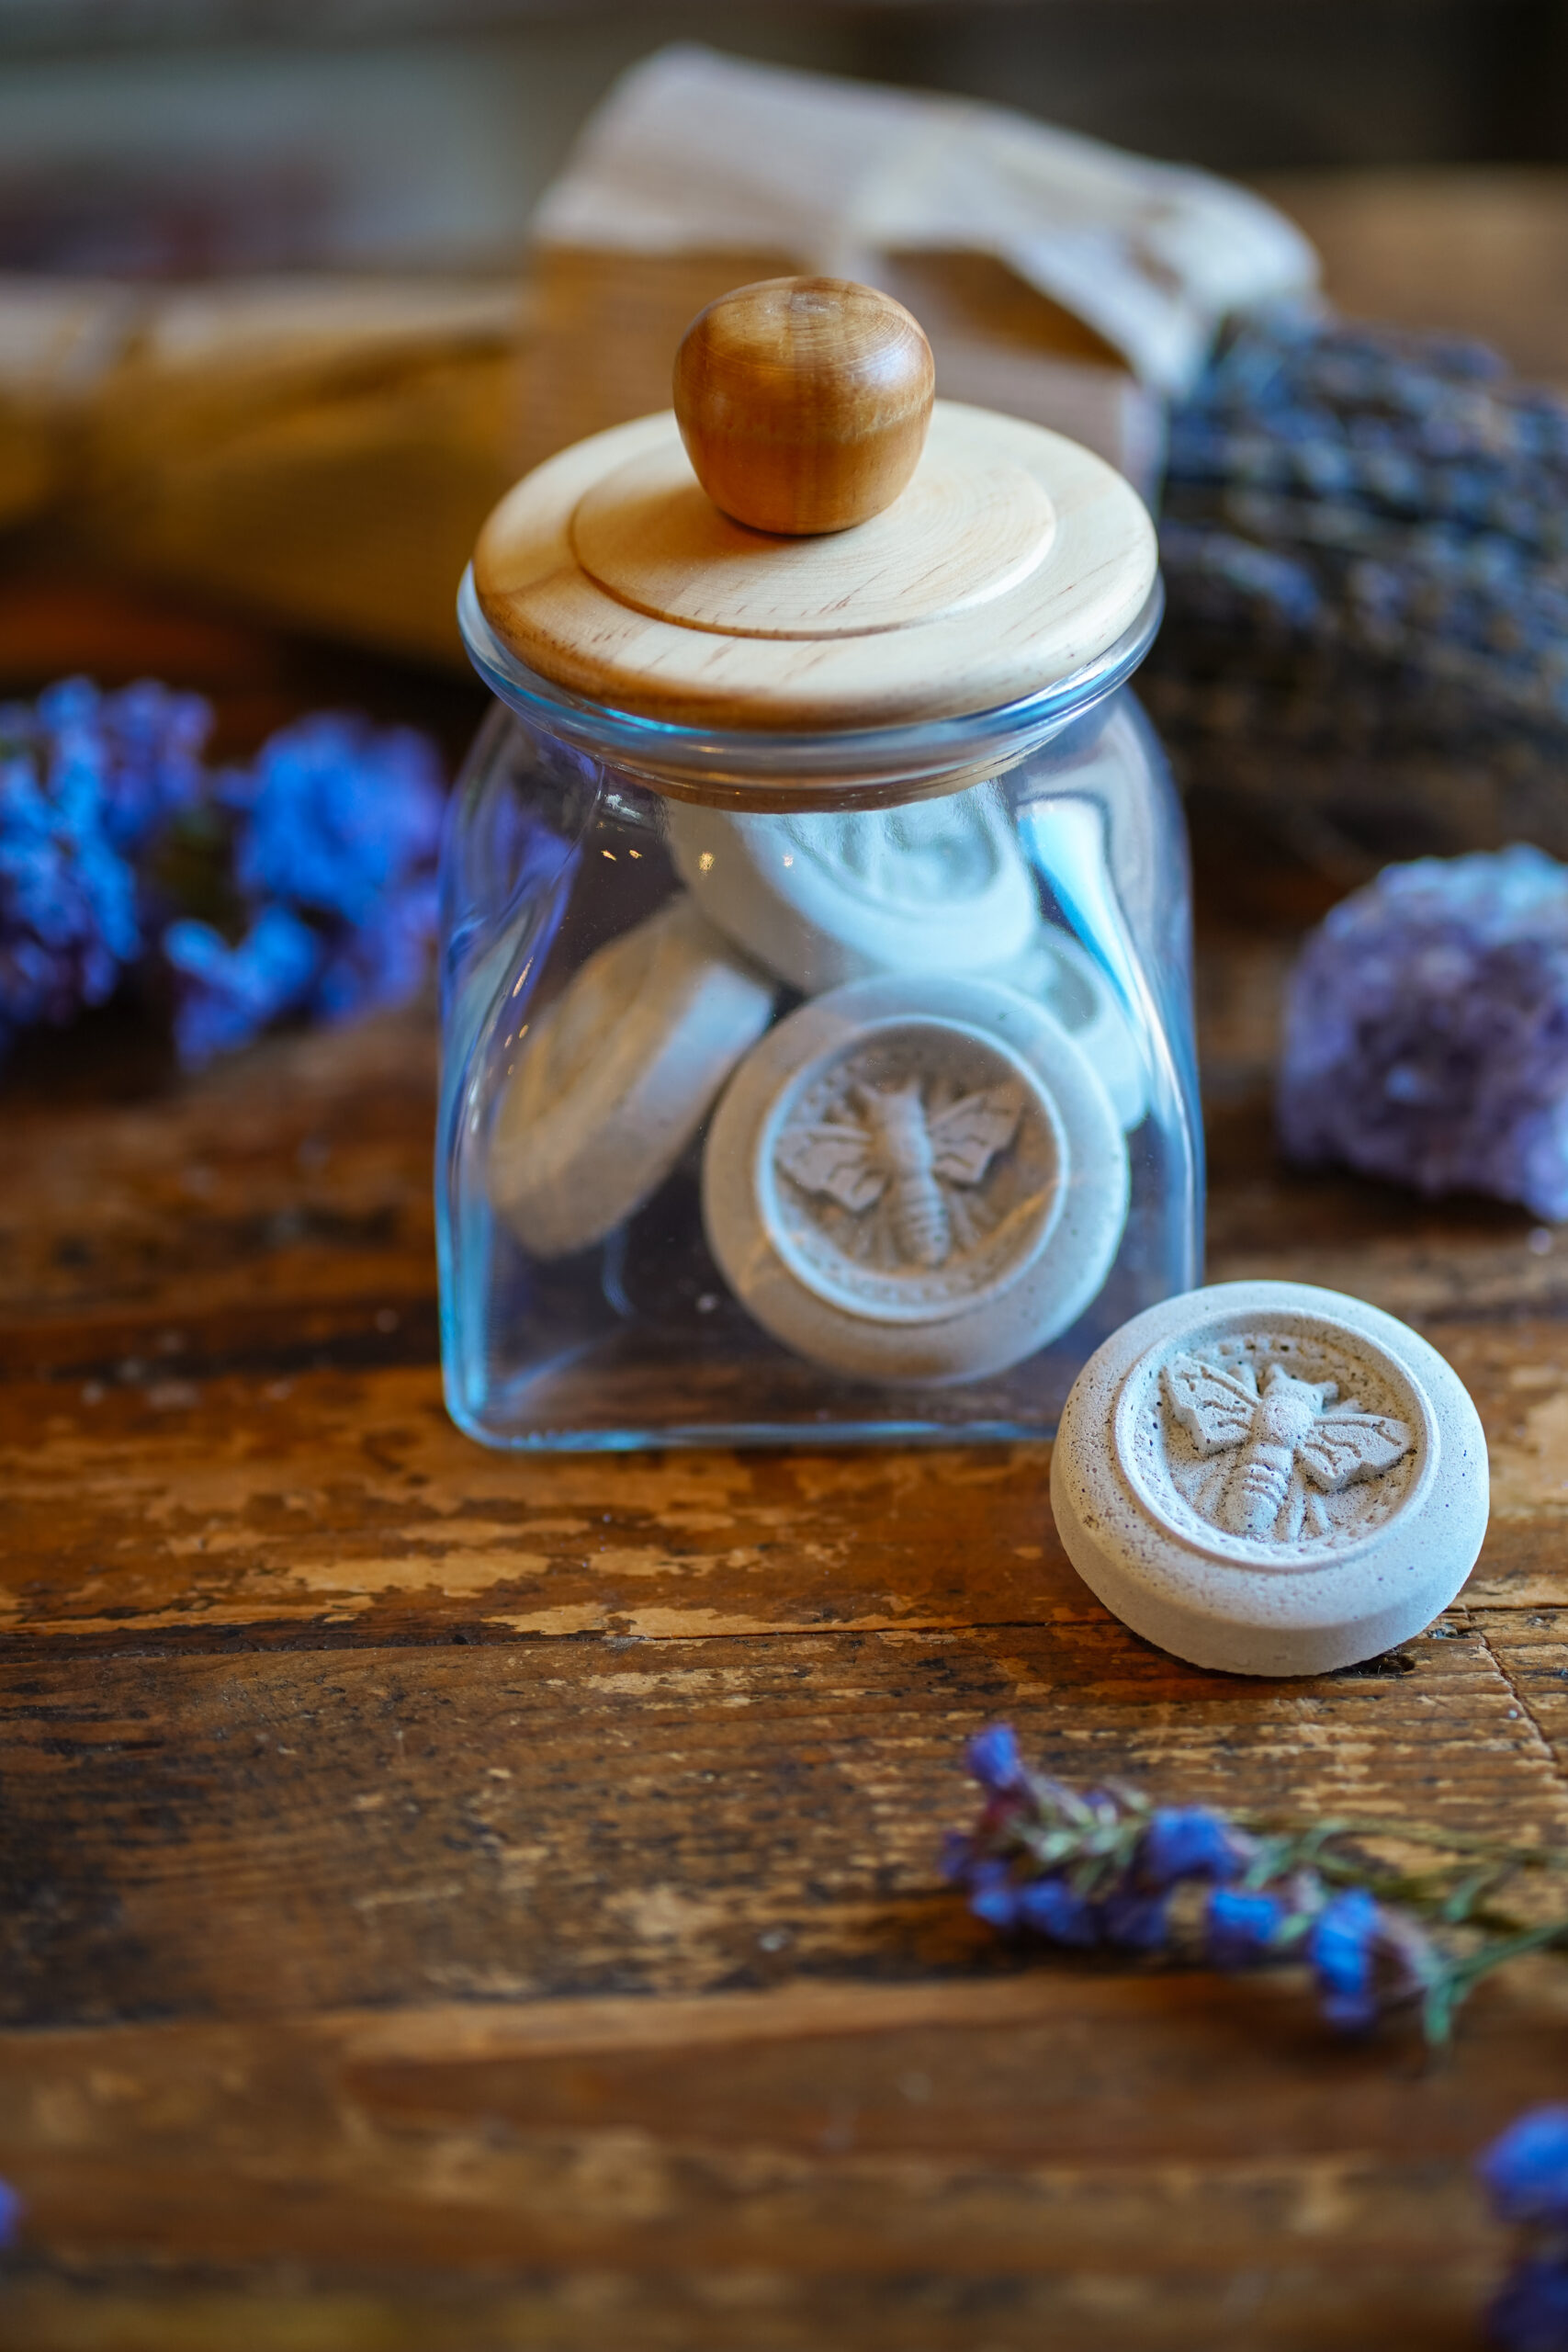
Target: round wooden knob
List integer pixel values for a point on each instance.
(803, 402)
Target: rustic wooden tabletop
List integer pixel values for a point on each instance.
(459, 1901)
(454, 1903)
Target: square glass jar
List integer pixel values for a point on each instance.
(838, 1087)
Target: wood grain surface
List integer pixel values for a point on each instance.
(456, 1902)
(1013, 559)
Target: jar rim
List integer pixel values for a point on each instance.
(853, 768)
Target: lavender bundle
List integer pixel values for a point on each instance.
(301, 886)
(1365, 547)
(1104, 1867)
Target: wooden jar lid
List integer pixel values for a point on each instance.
(1006, 559)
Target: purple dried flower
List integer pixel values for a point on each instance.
(11, 2210)
(335, 814)
(1529, 2312)
(1135, 1921)
(382, 961)
(1366, 1958)
(1382, 504)
(993, 1894)
(1342, 1949)
(1190, 1841)
(1426, 1030)
(228, 995)
(86, 779)
(993, 1759)
(1525, 2170)
(1098, 1866)
(959, 1856)
(341, 822)
(1241, 1930)
(1056, 1910)
(1524, 2173)
(1225, 578)
(337, 821)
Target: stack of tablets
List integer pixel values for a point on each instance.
(919, 1172)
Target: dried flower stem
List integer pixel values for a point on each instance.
(1107, 1866)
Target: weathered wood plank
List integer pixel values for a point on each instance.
(208, 1836)
(866, 2154)
(341, 1504)
(1428, 2304)
(255, 1212)
(339, 1500)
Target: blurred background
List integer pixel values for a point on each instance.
(160, 139)
(167, 138)
(274, 336)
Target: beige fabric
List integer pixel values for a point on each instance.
(694, 152)
(320, 451)
(608, 324)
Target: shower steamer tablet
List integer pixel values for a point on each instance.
(1269, 1478)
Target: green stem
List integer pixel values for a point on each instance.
(1476, 1964)
(1409, 1833)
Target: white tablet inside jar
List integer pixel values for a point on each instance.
(916, 1180)
(821, 898)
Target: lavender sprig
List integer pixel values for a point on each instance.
(1102, 1866)
(1365, 545)
(1410, 502)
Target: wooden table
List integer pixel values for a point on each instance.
(460, 1902)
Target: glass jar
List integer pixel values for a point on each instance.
(824, 1081)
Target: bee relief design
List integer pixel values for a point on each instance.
(904, 1149)
(929, 853)
(1272, 1459)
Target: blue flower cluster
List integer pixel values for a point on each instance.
(138, 750)
(1426, 1030)
(228, 995)
(1098, 1866)
(336, 830)
(329, 841)
(86, 781)
(1524, 2173)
